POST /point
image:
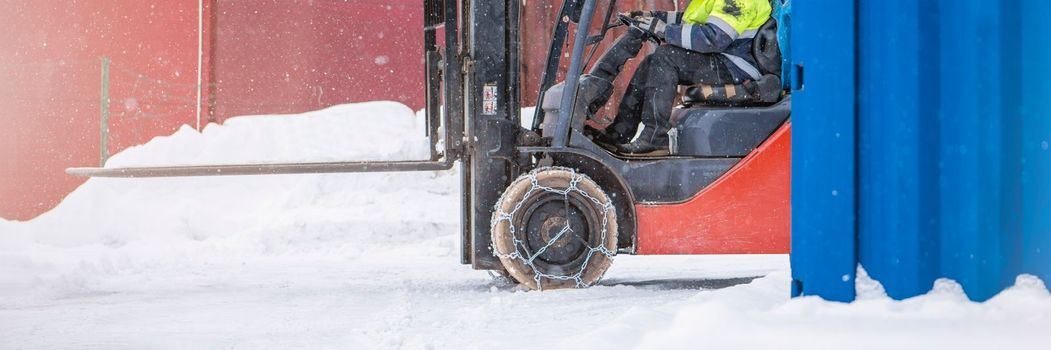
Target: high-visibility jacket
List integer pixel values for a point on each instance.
(724, 27)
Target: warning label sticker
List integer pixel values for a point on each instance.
(489, 98)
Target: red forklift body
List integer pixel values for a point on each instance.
(746, 211)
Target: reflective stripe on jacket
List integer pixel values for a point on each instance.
(725, 27)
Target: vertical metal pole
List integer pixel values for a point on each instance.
(554, 59)
(453, 119)
(433, 11)
(104, 113)
(200, 58)
(576, 65)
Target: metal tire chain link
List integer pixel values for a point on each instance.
(520, 246)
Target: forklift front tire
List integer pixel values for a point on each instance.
(555, 228)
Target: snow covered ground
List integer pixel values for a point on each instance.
(366, 261)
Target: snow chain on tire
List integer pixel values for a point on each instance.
(530, 199)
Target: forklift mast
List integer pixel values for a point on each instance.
(489, 41)
(490, 45)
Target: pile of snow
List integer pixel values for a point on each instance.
(760, 315)
(364, 131)
(108, 227)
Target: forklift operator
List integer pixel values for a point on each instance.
(710, 43)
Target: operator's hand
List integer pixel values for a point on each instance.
(638, 14)
(653, 25)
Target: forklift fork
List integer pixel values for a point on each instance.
(437, 15)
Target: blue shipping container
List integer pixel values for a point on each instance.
(921, 144)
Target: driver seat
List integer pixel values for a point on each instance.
(765, 91)
(732, 120)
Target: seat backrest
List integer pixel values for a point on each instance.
(767, 51)
(766, 48)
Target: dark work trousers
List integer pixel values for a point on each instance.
(651, 93)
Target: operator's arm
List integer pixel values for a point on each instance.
(712, 37)
(669, 17)
(710, 26)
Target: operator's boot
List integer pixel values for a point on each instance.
(653, 144)
(656, 120)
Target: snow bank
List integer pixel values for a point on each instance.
(942, 319)
(370, 261)
(364, 131)
(760, 315)
(110, 226)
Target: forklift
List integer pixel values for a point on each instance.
(548, 206)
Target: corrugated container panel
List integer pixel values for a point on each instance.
(953, 171)
(823, 149)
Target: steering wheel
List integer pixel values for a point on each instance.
(631, 22)
(626, 20)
